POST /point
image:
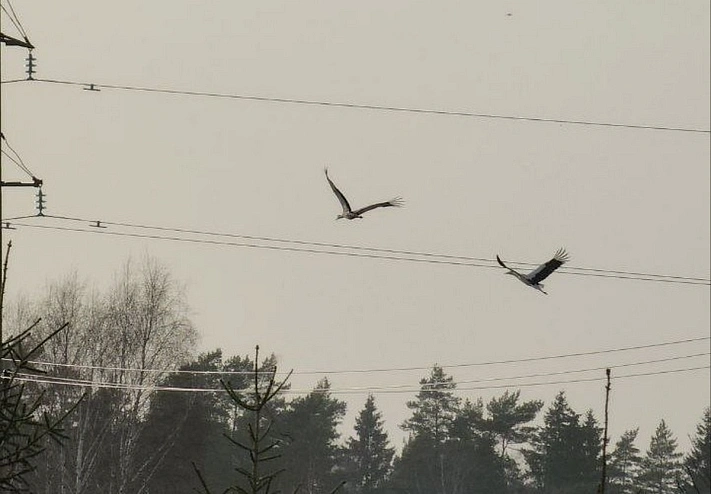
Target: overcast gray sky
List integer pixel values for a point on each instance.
(617, 198)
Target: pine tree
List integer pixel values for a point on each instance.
(624, 463)
(507, 419)
(660, 466)
(434, 408)
(369, 452)
(421, 466)
(448, 450)
(187, 427)
(472, 465)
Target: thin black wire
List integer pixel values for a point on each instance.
(395, 369)
(17, 18)
(19, 29)
(253, 246)
(372, 107)
(11, 81)
(11, 157)
(605, 273)
(334, 253)
(18, 218)
(547, 383)
(523, 360)
(579, 371)
(21, 163)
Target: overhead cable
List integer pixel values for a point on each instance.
(361, 248)
(361, 106)
(428, 260)
(17, 159)
(391, 369)
(457, 383)
(368, 390)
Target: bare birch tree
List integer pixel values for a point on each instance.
(120, 336)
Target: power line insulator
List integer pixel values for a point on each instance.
(40, 202)
(30, 66)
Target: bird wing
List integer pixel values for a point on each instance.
(501, 263)
(544, 270)
(397, 202)
(341, 198)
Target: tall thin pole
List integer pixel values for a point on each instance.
(3, 281)
(3, 284)
(605, 439)
(8, 41)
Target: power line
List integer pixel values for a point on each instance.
(18, 163)
(10, 157)
(381, 370)
(17, 159)
(18, 218)
(429, 257)
(410, 387)
(373, 390)
(12, 20)
(546, 383)
(575, 371)
(16, 20)
(361, 248)
(360, 106)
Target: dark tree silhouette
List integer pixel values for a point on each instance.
(661, 467)
(624, 463)
(369, 452)
(260, 447)
(25, 424)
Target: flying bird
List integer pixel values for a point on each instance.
(534, 278)
(348, 213)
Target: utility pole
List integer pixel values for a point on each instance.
(605, 440)
(10, 41)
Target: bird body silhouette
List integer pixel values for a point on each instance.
(534, 278)
(348, 212)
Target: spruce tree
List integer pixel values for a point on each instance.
(369, 451)
(560, 460)
(697, 465)
(661, 468)
(624, 463)
(591, 448)
(309, 450)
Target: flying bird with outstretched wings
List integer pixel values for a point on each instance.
(348, 213)
(534, 278)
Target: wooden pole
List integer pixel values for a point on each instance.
(605, 440)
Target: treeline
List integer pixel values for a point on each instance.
(455, 446)
(125, 437)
